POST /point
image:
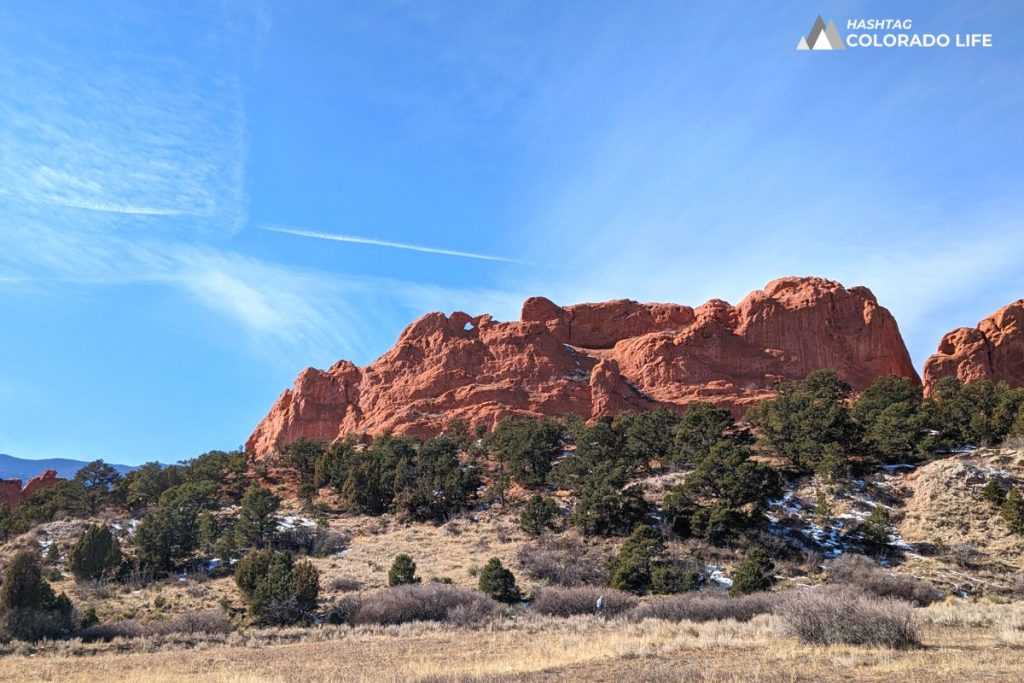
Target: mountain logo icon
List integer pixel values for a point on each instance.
(822, 37)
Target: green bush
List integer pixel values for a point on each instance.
(805, 417)
(538, 515)
(1012, 511)
(526, 448)
(403, 571)
(646, 436)
(305, 584)
(256, 522)
(424, 480)
(96, 554)
(499, 583)
(606, 506)
(278, 590)
(669, 578)
(892, 418)
(98, 481)
(701, 428)
(170, 532)
(993, 492)
(29, 609)
(302, 455)
(724, 497)
(637, 558)
(89, 618)
(755, 573)
(877, 529)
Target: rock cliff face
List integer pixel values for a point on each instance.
(593, 360)
(993, 350)
(12, 492)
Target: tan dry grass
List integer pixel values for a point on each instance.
(529, 649)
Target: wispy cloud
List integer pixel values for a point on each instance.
(353, 239)
(124, 209)
(121, 128)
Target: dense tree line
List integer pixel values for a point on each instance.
(426, 480)
(732, 470)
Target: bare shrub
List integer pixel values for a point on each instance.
(424, 602)
(343, 611)
(312, 541)
(700, 607)
(859, 571)
(137, 577)
(563, 561)
(832, 615)
(207, 621)
(93, 589)
(1014, 442)
(345, 584)
(964, 556)
(471, 613)
(566, 602)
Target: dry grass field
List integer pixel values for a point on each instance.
(961, 642)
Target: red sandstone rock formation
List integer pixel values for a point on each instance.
(593, 360)
(12, 493)
(993, 350)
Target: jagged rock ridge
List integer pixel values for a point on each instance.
(993, 350)
(593, 360)
(12, 492)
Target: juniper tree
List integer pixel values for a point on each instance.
(499, 583)
(1012, 511)
(403, 571)
(755, 573)
(96, 554)
(256, 522)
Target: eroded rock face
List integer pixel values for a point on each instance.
(12, 492)
(993, 350)
(593, 360)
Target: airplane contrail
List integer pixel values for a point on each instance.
(353, 239)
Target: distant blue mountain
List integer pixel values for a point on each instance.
(25, 468)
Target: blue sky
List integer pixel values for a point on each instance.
(162, 169)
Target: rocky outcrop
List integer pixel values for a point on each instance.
(12, 492)
(993, 350)
(593, 360)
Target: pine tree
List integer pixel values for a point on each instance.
(1012, 511)
(499, 583)
(538, 514)
(305, 584)
(632, 567)
(993, 492)
(96, 554)
(755, 573)
(403, 571)
(256, 523)
(278, 590)
(822, 510)
(30, 608)
(877, 529)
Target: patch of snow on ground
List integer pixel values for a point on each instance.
(898, 466)
(294, 521)
(716, 575)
